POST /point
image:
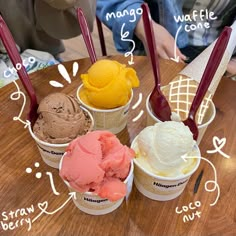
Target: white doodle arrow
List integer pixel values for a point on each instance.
(44, 205)
(16, 96)
(214, 182)
(176, 58)
(124, 36)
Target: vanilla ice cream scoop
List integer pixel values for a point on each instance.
(161, 146)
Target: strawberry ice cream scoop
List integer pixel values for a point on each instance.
(97, 162)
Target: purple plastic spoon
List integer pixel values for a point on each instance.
(158, 102)
(16, 60)
(86, 35)
(211, 67)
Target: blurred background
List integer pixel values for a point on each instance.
(75, 47)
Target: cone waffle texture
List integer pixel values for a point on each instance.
(196, 68)
(180, 93)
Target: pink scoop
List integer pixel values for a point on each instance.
(99, 163)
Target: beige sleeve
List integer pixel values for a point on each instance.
(62, 23)
(62, 4)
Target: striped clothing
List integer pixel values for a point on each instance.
(224, 10)
(163, 12)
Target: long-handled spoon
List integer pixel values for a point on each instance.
(86, 35)
(158, 102)
(211, 67)
(16, 60)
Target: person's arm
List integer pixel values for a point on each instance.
(107, 12)
(164, 40)
(61, 4)
(231, 69)
(58, 18)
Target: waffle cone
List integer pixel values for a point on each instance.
(180, 93)
(196, 68)
(182, 89)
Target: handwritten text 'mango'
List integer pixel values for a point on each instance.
(120, 14)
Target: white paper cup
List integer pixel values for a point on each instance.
(161, 188)
(113, 120)
(92, 204)
(52, 153)
(208, 118)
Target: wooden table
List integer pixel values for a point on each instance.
(140, 216)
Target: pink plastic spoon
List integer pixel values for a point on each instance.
(212, 65)
(86, 35)
(158, 102)
(16, 60)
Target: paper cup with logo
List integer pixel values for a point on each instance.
(208, 118)
(52, 153)
(92, 204)
(162, 188)
(113, 120)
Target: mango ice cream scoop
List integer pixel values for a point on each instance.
(108, 84)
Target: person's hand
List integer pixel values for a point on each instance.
(231, 68)
(165, 42)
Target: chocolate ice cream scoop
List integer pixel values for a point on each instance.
(61, 119)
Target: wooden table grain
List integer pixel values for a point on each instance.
(139, 215)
